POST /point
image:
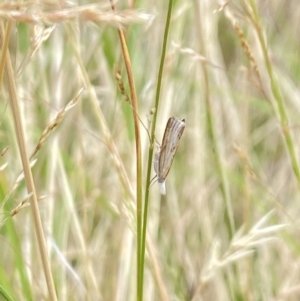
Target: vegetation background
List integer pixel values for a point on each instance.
(228, 228)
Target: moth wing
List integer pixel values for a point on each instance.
(164, 149)
(172, 135)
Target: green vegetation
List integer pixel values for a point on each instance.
(86, 93)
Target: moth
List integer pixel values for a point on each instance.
(163, 159)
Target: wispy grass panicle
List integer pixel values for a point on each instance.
(232, 73)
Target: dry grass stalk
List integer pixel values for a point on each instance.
(4, 50)
(257, 81)
(123, 92)
(244, 158)
(3, 152)
(247, 49)
(40, 35)
(241, 246)
(84, 13)
(23, 203)
(43, 138)
(19, 130)
(57, 120)
(194, 55)
(259, 180)
(121, 84)
(16, 184)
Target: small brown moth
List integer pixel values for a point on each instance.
(164, 157)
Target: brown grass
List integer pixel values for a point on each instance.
(228, 226)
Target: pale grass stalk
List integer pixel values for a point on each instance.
(27, 172)
(45, 135)
(4, 52)
(16, 210)
(117, 162)
(139, 174)
(96, 109)
(191, 244)
(281, 109)
(242, 246)
(214, 127)
(256, 79)
(3, 152)
(127, 99)
(150, 156)
(124, 281)
(72, 221)
(83, 13)
(3, 166)
(259, 179)
(54, 123)
(194, 55)
(79, 286)
(16, 184)
(21, 205)
(115, 157)
(40, 35)
(157, 273)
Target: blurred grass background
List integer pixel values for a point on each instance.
(232, 71)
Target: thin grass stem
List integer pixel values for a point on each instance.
(150, 157)
(27, 172)
(283, 116)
